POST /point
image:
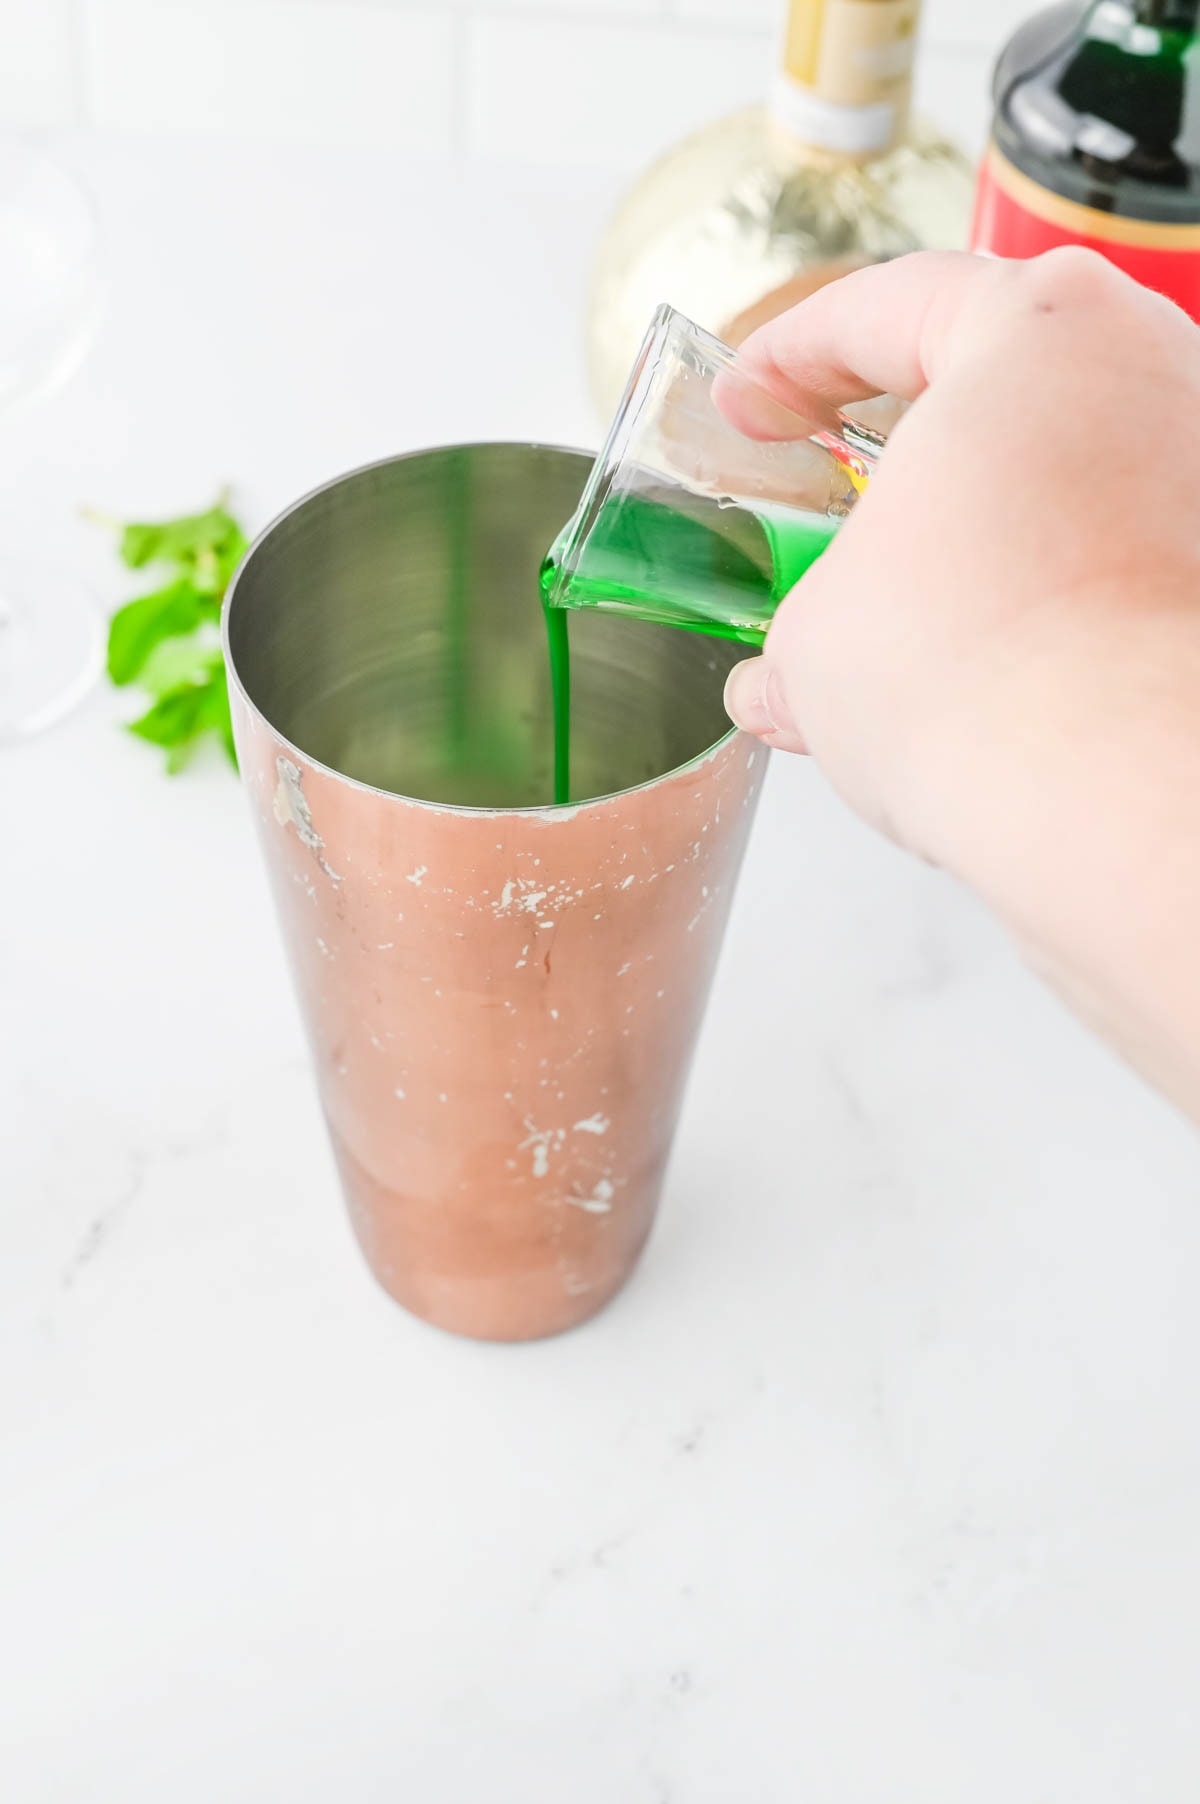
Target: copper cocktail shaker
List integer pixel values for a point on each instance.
(501, 996)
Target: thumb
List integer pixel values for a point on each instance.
(755, 701)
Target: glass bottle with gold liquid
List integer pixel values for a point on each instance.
(748, 215)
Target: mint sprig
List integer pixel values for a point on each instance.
(168, 641)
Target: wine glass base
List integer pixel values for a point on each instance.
(51, 646)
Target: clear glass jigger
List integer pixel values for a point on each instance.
(710, 498)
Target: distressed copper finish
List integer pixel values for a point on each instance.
(501, 1003)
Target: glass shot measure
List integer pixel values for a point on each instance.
(710, 498)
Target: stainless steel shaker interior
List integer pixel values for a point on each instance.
(390, 627)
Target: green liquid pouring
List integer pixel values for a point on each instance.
(663, 554)
(559, 645)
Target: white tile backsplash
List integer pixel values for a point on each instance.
(646, 10)
(302, 70)
(38, 63)
(951, 91)
(761, 15)
(943, 22)
(984, 24)
(650, 11)
(595, 96)
(606, 83)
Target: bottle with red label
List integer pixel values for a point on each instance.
(1096, 141)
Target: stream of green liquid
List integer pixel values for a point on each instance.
(665, 555)
(558, 644)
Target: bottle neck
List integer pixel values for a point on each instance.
(1169, 15)
(1127, 83)
(1107, 118)
(846, 76)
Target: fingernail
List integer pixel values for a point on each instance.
(754, 701)
(746, 697)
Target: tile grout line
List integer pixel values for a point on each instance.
(80, 52)
(529, 13)
(462, 25)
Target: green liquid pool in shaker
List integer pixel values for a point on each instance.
(661, 555)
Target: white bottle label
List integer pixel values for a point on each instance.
(854, 129)
(847, 73)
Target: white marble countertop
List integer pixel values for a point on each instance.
(879, 1484)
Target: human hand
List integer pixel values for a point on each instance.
(997, 661)
(1051, 458)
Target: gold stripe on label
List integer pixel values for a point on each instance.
(1077, 221)
(802, 40)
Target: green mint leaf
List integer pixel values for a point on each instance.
(216, 562)
(177, 541)
(182, 717)
(168, 641)
(140, 625)
(194, 658)
(175, 717)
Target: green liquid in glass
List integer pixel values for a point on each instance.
(662, 554)
(667, 556)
